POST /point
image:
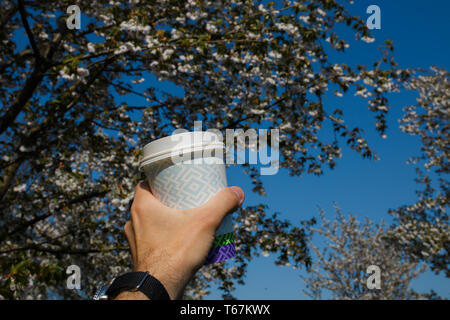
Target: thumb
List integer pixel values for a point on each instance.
(215, 209)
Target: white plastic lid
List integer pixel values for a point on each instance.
(179, 144)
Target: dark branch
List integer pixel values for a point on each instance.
(38, 131)
(23, 17)
(88, 196)
(8, 16)
(25, 54)
(61, 250)
(7, 176)
(21, 100)
(23, 226)
(31, 84)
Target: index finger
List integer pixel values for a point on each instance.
(144, 200)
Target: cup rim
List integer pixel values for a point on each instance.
(183, 148)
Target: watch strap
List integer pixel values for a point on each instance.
(142, 281)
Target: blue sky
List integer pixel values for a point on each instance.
(364, 188)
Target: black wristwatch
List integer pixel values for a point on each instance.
(132, 281)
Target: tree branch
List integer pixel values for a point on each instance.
(8, 16)
(61, 250)
(31, 84)
(8, 175)
(23, 17)
(21, 100)
(25, 54)
(88, 196)
(23, 226)
(15, 109)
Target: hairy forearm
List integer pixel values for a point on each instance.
(169, 274)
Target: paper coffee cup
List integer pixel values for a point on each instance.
(184, 171)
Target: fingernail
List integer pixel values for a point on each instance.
(239, 193)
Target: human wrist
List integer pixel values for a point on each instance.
(171, 275)
(149, 287)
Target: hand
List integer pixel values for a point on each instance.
(172, 244)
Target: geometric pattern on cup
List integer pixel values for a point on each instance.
(184, 186)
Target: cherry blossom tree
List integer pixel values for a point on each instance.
(422, 228)
(70, 140)
(349, 247)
